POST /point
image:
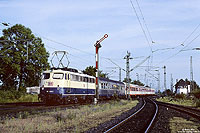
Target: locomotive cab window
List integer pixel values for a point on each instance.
(46, 75)
(58, 76)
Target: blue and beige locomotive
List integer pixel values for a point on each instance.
(66, 85)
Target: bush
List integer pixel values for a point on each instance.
(180, 96)
(196, 94)
(197, 103)
(16, 96)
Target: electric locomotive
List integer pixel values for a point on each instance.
(66, 85)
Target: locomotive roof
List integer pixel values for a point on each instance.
(109, 80)
(72, 72)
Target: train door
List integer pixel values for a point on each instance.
(87, 80)
(85, 85)
(67, 81)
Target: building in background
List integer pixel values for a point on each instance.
(182, 87)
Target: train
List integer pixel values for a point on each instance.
(68, 85)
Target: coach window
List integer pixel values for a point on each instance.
(101, 85)
(58, 76)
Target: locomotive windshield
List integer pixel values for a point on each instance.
(58, 76)
(46, 75)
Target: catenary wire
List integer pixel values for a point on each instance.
(141, 25)
(144, 21)
(190, 34)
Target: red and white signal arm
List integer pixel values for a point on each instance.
(106, 35)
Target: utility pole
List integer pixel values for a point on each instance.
(145, 79)
(158, 80)
(97, 46)
(191, 76)
(120, 74)
(165, 87)
(172, 83)
(127, 57)
(137, 76)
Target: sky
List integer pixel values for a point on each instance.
(75, 25)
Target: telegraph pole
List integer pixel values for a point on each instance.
(191, 76)
(120, 74)
(165, 87)
(127, 57)
(137, 76)
(171, 83)
(97, 46)
(158, 80)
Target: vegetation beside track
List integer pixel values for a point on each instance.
(69, 120)
(179, 124)
(192, 99)
(184, 102)
(14, 96)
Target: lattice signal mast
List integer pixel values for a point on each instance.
(97, 46)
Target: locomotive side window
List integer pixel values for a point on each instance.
(46, 75)
(81, 78)
(72, 77)
(85, 79)
(76, 77)
(58, 76)
(91, 80)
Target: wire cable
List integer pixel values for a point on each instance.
(144, 21)
(141, 25)
(67, 46)
(190, 35)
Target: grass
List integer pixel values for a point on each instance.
(23, 98)
(69, 120)
(178, 124)
(184, 102)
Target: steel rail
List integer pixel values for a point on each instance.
(181, 109)
(114, 127)
(153, 117)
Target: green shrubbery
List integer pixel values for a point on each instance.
(16, 96)
(197, 97)
(196, 94)
(180, 96)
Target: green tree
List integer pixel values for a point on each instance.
(126, 80)
(137, 82)
(17, 69)
(91, 70)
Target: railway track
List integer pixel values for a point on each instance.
(188, 110)
(13, 109)
(140, 121)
